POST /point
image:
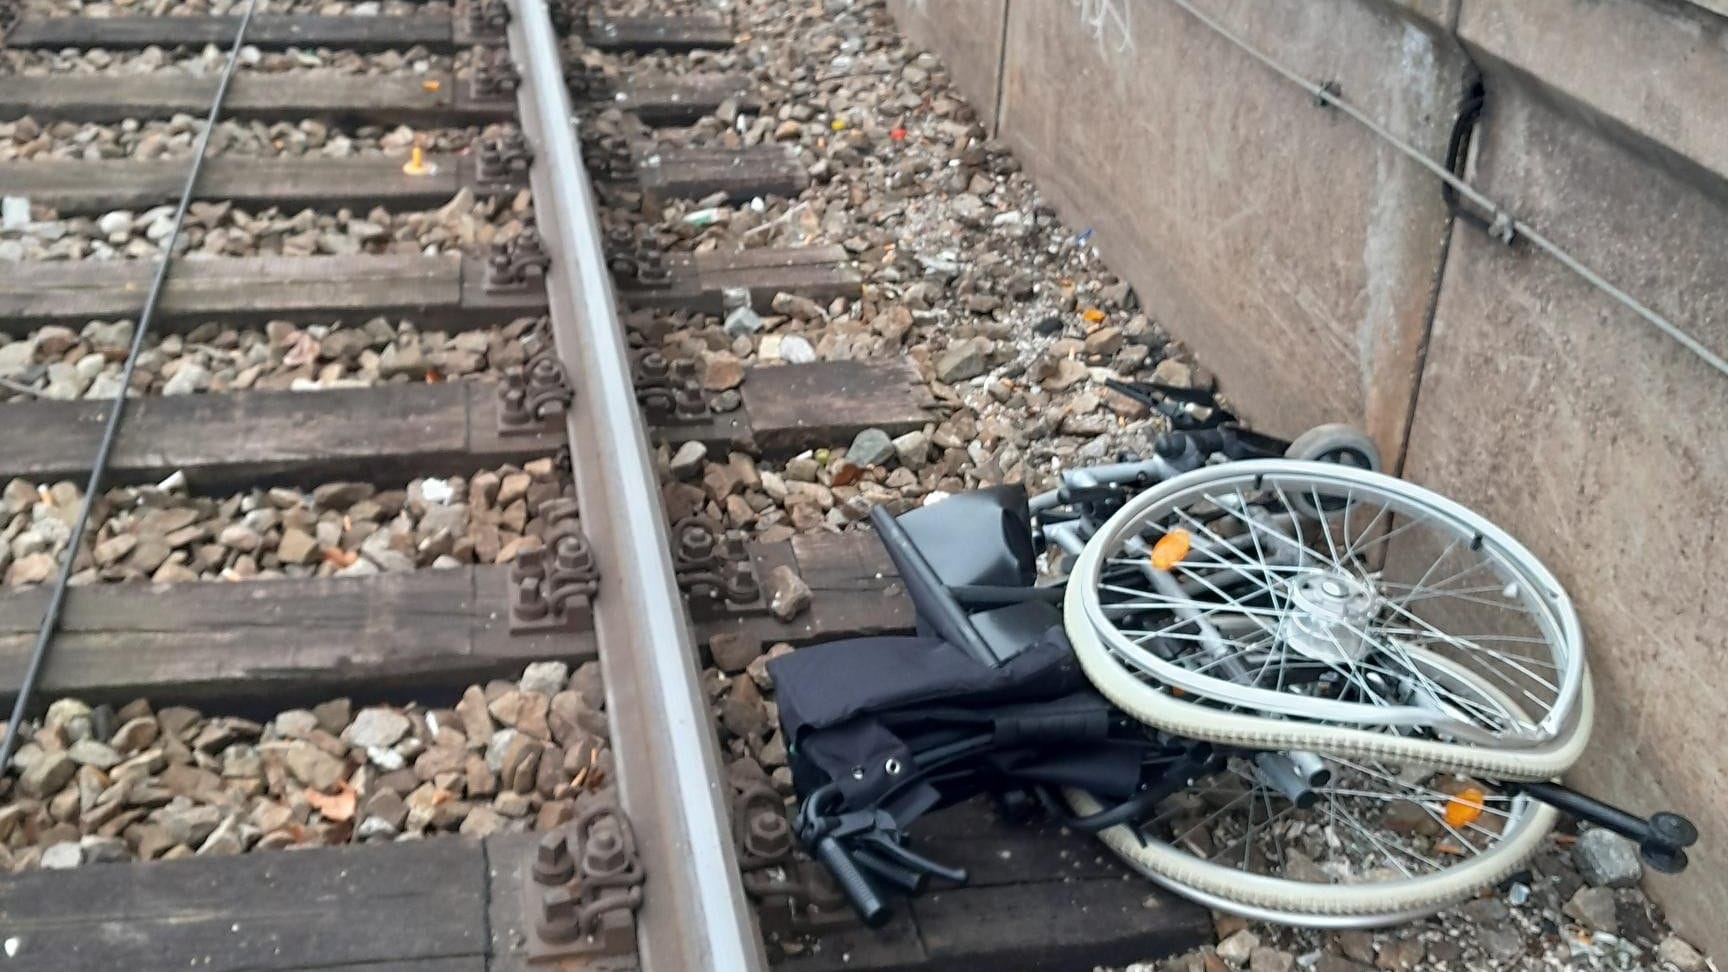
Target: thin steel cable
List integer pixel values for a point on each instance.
(111, 433)
(1465, 189)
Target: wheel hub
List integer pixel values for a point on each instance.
(1328, 616)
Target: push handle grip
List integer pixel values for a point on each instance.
(857, 888)
(903, 878)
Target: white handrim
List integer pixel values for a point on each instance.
(1313, 904)
(1547, 750)
(1322, 905)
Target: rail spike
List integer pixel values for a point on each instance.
(486, 18)
(715, 570)
(793, 895)
(503, 159)
(492, 75)
(538, 392)
(517, 263)
(584, 888)
(552, 587)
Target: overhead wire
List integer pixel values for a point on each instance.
(110, 433)
(1503, 220)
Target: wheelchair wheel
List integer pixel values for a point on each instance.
(1375, 844)
(1372, 618)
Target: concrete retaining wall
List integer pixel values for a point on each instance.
(1320, 277)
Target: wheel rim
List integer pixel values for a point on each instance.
(1375, 848)
(1356, 618)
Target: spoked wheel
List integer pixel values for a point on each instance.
(1276, 604)
(1355, 843)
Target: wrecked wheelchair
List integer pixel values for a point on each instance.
(1269, 677)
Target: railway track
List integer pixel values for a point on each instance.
(402, 535)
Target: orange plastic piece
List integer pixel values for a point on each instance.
(1465, 807)
(1170, 549)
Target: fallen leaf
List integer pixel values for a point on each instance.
(340, 557)
(338, 806)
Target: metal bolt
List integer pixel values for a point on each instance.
(559, 916)
(770, 836)
(604, 852)
(552, 862)
(572, 553)
(530, 605)
(695, 542)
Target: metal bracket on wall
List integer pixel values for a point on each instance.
(1497, 224)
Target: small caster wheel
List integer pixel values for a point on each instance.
(1336, 442)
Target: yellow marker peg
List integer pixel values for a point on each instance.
(417, 164)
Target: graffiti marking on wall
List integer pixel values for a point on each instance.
(1109, 24)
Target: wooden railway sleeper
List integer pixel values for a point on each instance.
(793, 895)
(584, 888)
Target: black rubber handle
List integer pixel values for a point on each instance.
(904, 879)
(853, 883)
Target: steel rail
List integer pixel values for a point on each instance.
(694, 915)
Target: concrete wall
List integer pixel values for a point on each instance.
(1294, 253)
(968, 34)
(1319, 277)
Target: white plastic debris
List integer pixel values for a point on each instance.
(14, 212)
(706, 217)
(437, 490)
(176, 480)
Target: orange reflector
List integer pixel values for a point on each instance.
(1170, 549)
(432, 85)
(416, 164)
(1465, 807)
